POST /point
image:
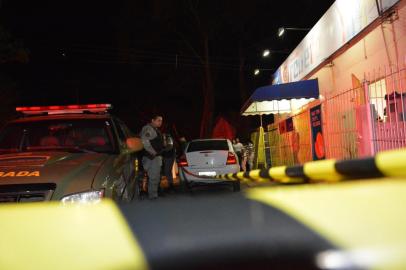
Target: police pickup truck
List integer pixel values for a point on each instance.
(74, 153)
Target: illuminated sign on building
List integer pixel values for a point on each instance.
(342, 22)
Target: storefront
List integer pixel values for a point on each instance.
(357, 52)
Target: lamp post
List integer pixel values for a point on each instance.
(282, 30)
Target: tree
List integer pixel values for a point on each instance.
(199, 31)
(209, 29)
(210, 37)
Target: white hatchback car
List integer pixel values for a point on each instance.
(208, 157)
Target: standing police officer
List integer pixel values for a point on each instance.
(168, 155)
(152, 160)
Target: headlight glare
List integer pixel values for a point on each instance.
(93, 196)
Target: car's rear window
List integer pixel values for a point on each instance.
(207, 145)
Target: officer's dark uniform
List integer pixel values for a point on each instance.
(152, 160)
(169, 156)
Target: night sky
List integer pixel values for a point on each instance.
(145, 56)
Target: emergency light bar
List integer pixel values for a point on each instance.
(65, 109)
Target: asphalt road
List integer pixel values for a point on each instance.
(197, 192)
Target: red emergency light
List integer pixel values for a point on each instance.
(64, 109)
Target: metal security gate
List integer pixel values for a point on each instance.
(341, 114)
(356, 123)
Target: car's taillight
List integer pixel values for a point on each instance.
(231, 159)
(183, 161)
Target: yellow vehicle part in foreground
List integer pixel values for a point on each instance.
(366, 219)
(56, 236)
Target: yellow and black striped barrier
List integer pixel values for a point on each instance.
(388, 163)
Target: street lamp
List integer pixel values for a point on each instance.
(282, 30)
(256, 72)
(266, 53)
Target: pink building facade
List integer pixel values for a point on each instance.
(357, 51)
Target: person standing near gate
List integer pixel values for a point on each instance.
(238, 150)
(152, 140)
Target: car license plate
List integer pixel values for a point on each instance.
(207, 173)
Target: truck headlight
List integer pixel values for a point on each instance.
(93, 196)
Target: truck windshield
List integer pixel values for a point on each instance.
(76, 135)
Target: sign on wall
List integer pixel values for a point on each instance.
(286, 125)
(318, 148)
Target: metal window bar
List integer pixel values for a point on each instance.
(387, 96)
(340, 124)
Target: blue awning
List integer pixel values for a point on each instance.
(278, 98)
